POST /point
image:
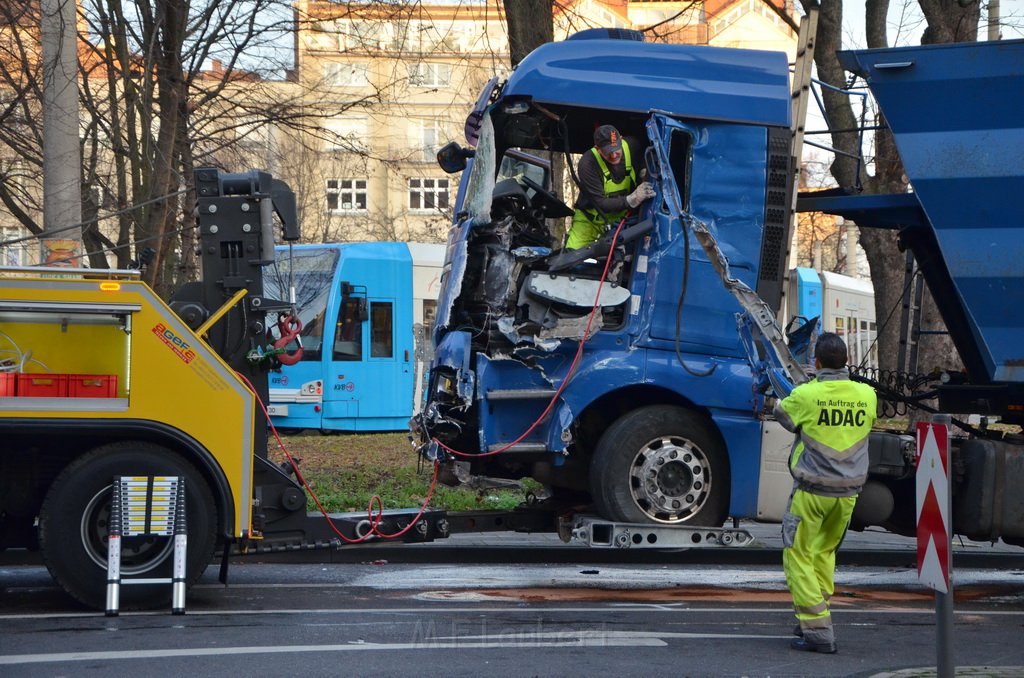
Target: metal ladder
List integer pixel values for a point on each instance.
(800, 94)
(801, 89)
(147, 505)
(910, 316)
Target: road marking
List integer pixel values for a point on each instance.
(533, 609)
(426, 644)
(615, 635)
(524, 639)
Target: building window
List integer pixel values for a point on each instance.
(342, 74)
(15, 253)
(428, 194)
(360, 34)
(381, 330)
(398, 36)
(346, 134)
(346, 195)
(427, 136)
(429, 313)
(430, 75)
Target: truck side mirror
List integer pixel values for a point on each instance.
(364, 310)
(452, 157)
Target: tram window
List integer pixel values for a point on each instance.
(348, 336)
(381, 330)
(309, 273)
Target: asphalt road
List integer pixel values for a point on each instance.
(388, 619)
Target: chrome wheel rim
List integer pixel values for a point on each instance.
(670, 479)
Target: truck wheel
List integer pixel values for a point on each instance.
(661, 464)
(74, 517)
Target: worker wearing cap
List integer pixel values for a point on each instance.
(832, 417)
(608, 185)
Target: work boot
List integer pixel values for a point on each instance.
(804, 645)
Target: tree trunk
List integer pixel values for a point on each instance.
(188, 264)
(530, 24)
(171, 16)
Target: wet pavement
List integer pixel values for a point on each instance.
(458, 610)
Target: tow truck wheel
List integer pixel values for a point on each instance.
(661, 464)
(74, 518)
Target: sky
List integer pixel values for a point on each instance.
(905, 27)
(906, 23)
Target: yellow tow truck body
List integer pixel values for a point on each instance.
(98, 373)
(79, 322)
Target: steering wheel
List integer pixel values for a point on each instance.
(549, 202)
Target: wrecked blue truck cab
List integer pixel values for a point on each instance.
(645, 401)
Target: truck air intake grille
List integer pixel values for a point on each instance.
(774, 245)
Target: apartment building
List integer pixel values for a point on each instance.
(395, 83)
(400, 78)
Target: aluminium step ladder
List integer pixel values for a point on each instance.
(147, 505)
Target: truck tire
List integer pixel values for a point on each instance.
(73, 526)
(661, 464)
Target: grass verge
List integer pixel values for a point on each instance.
(347, 470)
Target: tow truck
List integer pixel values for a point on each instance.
(105, 379)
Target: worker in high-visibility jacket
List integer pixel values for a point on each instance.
(832, 418)
(608, 186)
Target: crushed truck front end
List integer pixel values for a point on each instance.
(646, 401)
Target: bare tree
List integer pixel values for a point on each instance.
(153, 110)
(818, 235)
(21, 139)
(410, 56)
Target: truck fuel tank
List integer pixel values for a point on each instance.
(988, 503)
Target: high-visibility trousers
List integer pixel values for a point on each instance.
(588, 226)
(812, 530)
(583, 231)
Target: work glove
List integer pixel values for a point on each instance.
(643, 192)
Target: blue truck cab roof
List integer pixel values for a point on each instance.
(613, 81)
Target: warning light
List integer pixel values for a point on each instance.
(110, 286)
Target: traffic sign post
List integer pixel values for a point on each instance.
(934, 530)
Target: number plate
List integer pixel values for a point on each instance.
(277, 410)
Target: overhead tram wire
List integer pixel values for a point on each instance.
(109, 215)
